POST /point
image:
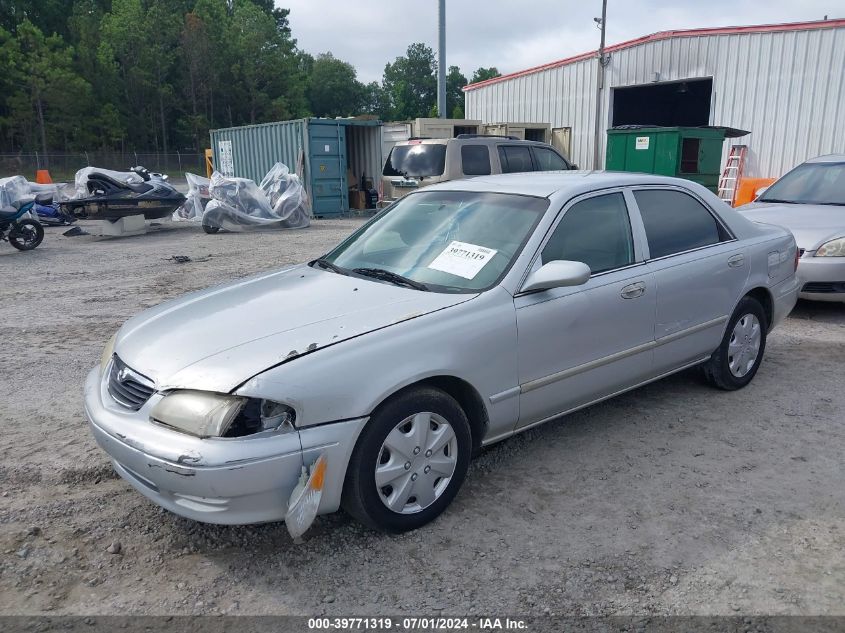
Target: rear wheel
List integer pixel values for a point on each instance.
(409, 461)
(26, 235)
(737, 359)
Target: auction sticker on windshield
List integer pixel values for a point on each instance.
(462, 259)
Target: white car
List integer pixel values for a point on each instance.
(810, 202)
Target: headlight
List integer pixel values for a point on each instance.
(207, 414)
(833, 248)
(108, 352)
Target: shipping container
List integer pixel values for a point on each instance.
(331, 156)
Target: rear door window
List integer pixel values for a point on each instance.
(548, 160)
(676, 222)
(515, 158)
(475, 160)
(416, 161)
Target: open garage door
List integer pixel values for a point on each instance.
(671, 104)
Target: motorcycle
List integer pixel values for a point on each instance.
(110, 195)
(19, 227)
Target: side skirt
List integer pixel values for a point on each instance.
(504, 436)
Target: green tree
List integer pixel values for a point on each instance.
(333, 88)
(50, 16)
(411, 82)
(455, 81)
(375, 100)
(51, 98)
(483, 74)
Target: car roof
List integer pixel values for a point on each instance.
(547, 183)
(828, 158)
(471, 140)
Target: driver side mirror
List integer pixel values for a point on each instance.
(557, 274)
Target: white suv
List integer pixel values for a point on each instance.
(419, 162)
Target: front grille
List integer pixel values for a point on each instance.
(824, 287)
(127, 387)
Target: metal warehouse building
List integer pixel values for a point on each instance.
(785, 83)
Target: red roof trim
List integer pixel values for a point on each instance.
(665, 35)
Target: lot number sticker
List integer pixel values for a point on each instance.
(642, 142)
(462, 259)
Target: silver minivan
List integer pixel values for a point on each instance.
(419, 162)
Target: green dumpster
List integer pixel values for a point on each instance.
(694, 153)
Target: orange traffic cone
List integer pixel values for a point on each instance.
(42, 177)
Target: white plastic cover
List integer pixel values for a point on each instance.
(13, 189)
(195, 200)
(81, 179)
(280, 201)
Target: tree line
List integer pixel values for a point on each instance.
(159, 74)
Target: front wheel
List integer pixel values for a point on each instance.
(409, 461)
(738, 357)
(26, 235)
(211, 230)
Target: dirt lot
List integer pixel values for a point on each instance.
(672, 499)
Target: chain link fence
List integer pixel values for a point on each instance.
(62, 167)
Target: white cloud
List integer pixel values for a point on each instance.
(512, 35)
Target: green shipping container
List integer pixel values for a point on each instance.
(333, 154)
(694, 153)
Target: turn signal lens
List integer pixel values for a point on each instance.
(305, 499)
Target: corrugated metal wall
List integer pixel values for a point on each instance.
(256, 148)
(364, 151)
(787, 88)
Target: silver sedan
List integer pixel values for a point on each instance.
(459, 316)
(810, 202)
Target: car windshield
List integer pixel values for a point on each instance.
(810, 183)
(450, 241)
(416, 161)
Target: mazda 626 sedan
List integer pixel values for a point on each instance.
(462, 314)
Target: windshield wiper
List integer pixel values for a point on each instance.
(394, 278)
(777, 201)
(324, 263)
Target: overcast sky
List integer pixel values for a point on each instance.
(514, 34)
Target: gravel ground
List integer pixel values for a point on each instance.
(672, 499)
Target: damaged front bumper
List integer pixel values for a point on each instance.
(229, 481)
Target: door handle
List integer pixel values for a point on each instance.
(634, 290)
(735, 261)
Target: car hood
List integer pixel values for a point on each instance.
(811, 224)
(216, 339)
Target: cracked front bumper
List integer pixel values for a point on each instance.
(228, 481)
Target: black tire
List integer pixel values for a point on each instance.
(211, 230)
(26, 235)
(717, 370)
(363, 499)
